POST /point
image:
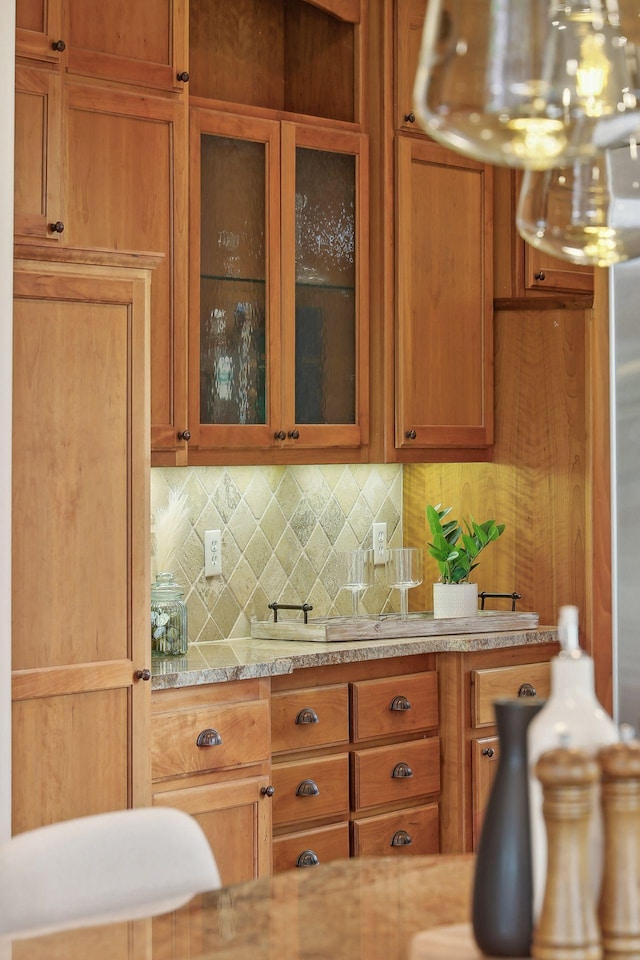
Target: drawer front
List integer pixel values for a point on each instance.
(310, 718)
(243, 729)
(395, 705)
(504, 682)
(308, 789)
(377, 772)
(303, 849)
(411, 832)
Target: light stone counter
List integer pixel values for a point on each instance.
(247, 658)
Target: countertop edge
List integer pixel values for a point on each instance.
(247, 659)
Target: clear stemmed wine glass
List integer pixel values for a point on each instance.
(356, 574)
(403, 570)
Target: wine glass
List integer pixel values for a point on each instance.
(403, 570)
(356, 574)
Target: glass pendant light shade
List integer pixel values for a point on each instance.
(523, 83)
(588, 212)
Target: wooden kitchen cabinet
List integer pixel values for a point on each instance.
(144, 207)
(523, 275)
(80, 567)
(356, 762)
(222, 780)
(444, 314)
(278, 339)
(469, 683)
(38, 180)
(409, 23)
(142, 44)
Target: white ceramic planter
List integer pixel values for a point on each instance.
(455, 600)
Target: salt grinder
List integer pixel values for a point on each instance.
(567, 927)
(620, 893)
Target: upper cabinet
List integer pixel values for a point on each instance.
(410, 16)
(144, 44)
(278, 348)
(278, 338)
(525, 276)
(444, 331)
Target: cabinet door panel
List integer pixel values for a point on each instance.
(38, 25)
(37, 157)
(444, 359)
(80, 568)
(234, 360)
(485, 754)
(410, 16)
(139, 43)
(324, 284)
(143, 207)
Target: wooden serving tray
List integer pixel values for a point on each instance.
(390, 626)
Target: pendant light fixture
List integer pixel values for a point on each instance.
(523, 83)
(587, 212)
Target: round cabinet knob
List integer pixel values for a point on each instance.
(308, 858)
(183, 77)
(208, 738)
(184, 435)
(57, 227)
(267, 791)
(527, 690)
(409, 118)
(143, 674)
(410, 434)
(279, 435)
(488, 752)
(401, 770)
(540, 275)
(401, 839)
(293, 434)
(58, 45)
(307, 715)
(307, 788)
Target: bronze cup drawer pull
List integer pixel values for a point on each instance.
(208, 738)
(401, 770)
(527, 690)
(307, 788)
(401, 839)
(308, 858)
(399, 703)
(307, 715)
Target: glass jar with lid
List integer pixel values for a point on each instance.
(169, 627)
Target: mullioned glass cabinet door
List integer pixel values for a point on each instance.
(234, 361)
(278, 346)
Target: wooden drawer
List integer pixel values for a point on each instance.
(243, 729)
(323, 843)
(329, 775)
(374, 782)
(310, 718)
(396, 705)
(383, 836)
(504, 682)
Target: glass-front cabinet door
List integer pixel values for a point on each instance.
(278, 339)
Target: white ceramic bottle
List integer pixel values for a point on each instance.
(572, 716)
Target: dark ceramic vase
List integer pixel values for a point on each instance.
(503, 886)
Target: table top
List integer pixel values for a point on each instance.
(344, 910)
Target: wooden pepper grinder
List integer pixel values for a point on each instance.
(567, 927)
(620, 893)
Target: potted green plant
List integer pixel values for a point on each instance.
(456, 547)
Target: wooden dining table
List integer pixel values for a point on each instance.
(357, 909)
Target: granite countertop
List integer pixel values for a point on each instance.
(247, 658)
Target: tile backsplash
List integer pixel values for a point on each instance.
(282, 528)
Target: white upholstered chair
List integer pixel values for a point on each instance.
(102, 869)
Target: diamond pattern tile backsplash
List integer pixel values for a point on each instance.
(282, 529)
